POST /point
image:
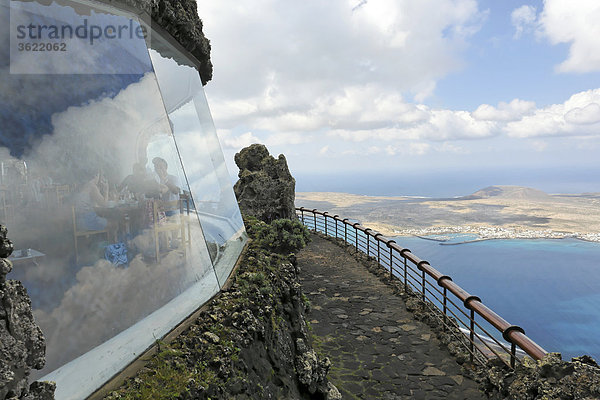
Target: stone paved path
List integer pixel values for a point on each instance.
(377, 350)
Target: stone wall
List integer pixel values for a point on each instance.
(22, 344)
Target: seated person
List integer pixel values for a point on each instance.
(93, 193)
(137, 183)
(168, 184)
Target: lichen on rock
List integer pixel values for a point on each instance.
(547, 379)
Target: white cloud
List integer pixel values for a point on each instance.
(345, 85)
(578, 116)
(523, 19)
(512, 111)
(589, 114)
(237, 142)
(281, 70)
(574, 22)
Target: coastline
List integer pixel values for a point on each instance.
(500, 212)
(482, 233)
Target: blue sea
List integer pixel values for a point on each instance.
(449, 182)
(551, 288)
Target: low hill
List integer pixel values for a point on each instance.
(509, 192)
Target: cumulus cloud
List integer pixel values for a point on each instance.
(523, 19)
(361, 73)
(578, 116)
(575, 23)
(237, 142)
(399, 45)
(512, 111)
(589, 114)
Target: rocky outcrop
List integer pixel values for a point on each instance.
(546, 379)
(22, 344)
(180, 19)
(250, 342)
(265, 189)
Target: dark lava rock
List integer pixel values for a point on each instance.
(180, 19)
(265, 189)
(549, 378)
(22, 344)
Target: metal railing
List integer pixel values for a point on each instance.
(456, 308)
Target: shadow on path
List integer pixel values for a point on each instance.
(377, 349)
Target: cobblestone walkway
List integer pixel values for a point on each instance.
(377, 350)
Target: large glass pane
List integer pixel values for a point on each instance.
(201, 154)
(93, 191)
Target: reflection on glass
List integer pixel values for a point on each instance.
(211, 191)
(103, 182)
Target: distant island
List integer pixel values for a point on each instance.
(495, 212)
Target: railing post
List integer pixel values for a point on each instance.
(405, 275)
(472, 335)
(355, 236)
(445, 308)
(315, 218)
(367, 233)
(420, 266)
(335, 217)
(302, 214)
(389, 242)
(423, 284)
(513, 346)
(513, 355)
(466, 303)
(405, 268)
(325, 217)
(345, 221)
(391, 264)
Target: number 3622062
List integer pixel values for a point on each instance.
(42, 47)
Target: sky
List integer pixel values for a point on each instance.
(440, 88)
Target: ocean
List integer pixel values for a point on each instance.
(550, 288)
(445, 183)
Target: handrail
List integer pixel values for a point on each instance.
(513, 334)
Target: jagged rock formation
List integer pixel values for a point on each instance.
(22, 344)
(180, 19)
(265, 189)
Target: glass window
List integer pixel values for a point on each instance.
(211, 191)
(115, 195)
